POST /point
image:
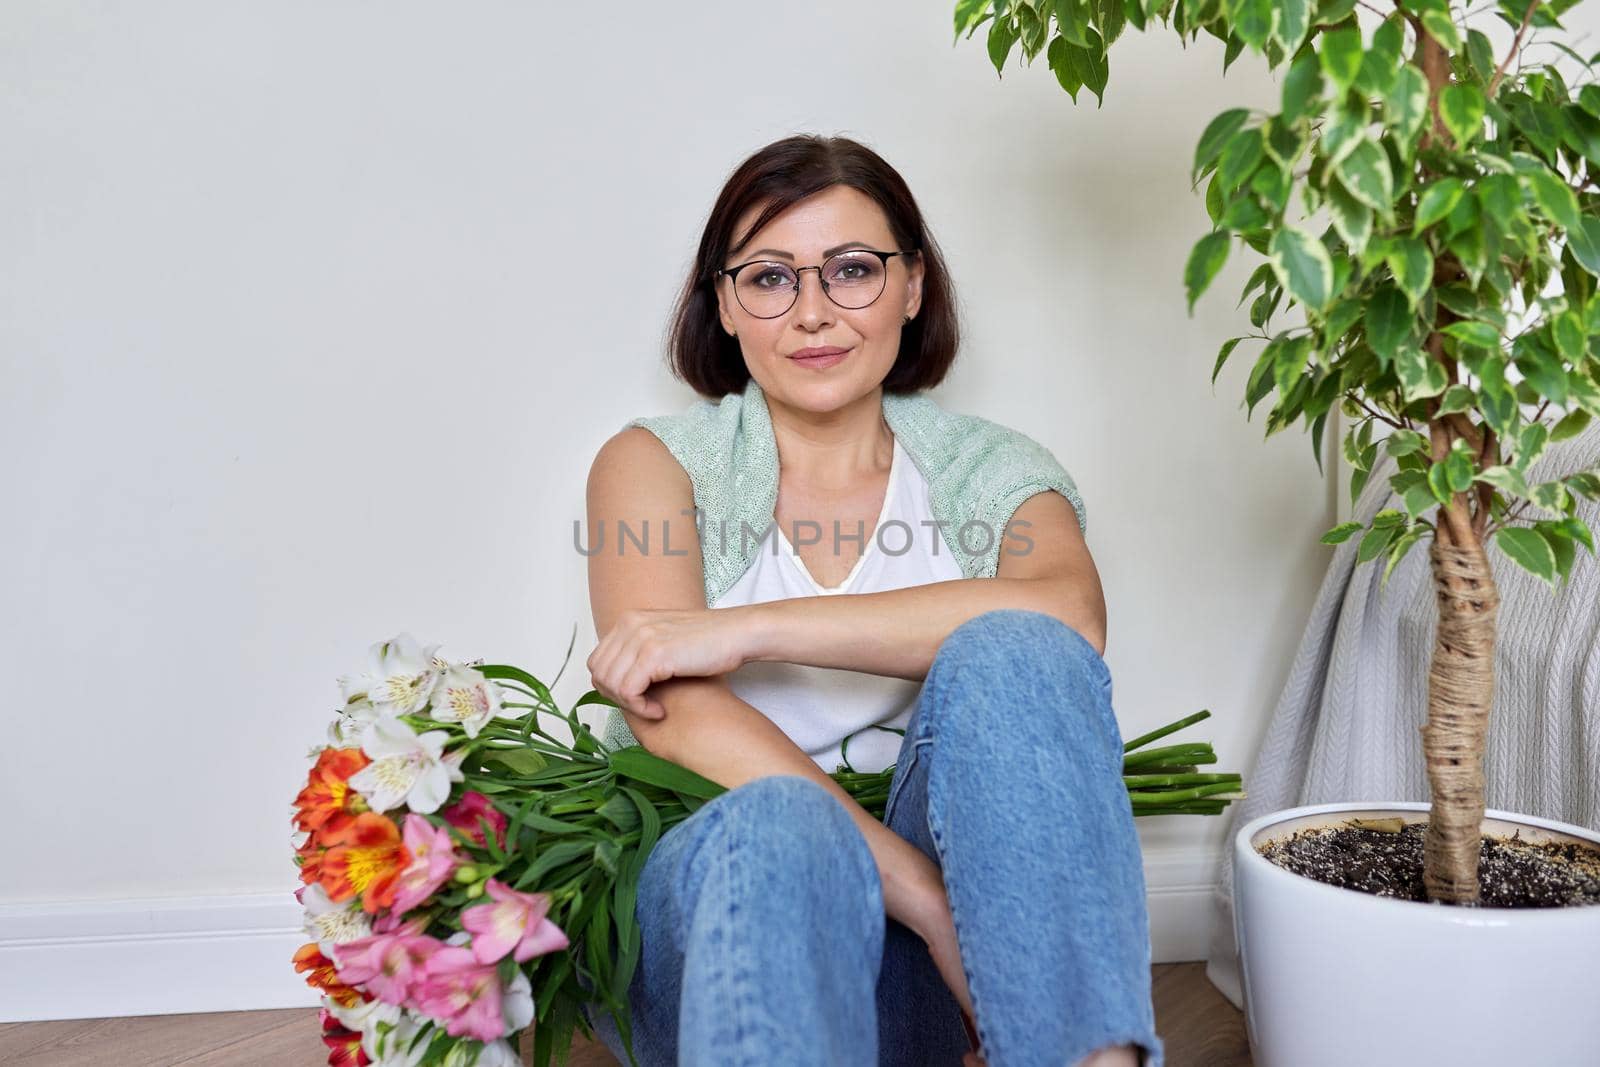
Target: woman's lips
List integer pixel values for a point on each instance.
(819, 362)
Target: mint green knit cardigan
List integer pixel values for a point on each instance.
(975, 469)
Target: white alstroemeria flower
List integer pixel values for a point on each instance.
(399, 680)
(516, 1002)
(391, 1048)
(332, 924)
(363, 1015)
(462, 694)
(346, 730)
(407, 768)
(493, 1054)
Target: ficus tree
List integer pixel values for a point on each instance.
(1446, 294)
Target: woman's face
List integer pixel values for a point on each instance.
(804, 236)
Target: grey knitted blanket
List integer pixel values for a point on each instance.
(1347, 724)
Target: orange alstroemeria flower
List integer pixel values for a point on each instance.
(321, 974)
(310, 856)
(327, 803)
(366, 859)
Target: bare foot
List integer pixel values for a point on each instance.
(1120, 1056)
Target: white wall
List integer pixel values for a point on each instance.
(305, 341)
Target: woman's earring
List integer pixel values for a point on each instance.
(908, 319)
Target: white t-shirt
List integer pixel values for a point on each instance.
(819, 707)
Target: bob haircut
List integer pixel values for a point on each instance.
(783, 173)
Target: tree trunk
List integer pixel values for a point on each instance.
(1460, 695)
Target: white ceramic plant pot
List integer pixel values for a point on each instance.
(1338, 978)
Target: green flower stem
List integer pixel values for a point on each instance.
(1154, 735)
(1144, 781)
(1228, 789)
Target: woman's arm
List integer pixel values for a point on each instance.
(897, 632)
(704, 726)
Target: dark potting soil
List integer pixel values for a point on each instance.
(1512, 873)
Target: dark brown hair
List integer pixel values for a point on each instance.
(783, 173)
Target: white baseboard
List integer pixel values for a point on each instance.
(92, 959)
(89, 959)
(1178, 893)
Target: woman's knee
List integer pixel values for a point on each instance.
(793, 835)
(1020, 673)
(1018, 636)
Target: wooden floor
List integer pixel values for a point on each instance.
(1197, 1024)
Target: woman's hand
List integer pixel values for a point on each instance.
(930, 920)
(649, 645)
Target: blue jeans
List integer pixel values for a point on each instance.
(763, 935)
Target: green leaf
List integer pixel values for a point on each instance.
(519, 761)
(1389, 321)
(1570, 336)
(1461, 108)
(1481, 54)
(1442, 28)
(1290, 363)
(1555, 198)
(641, 765)
(1419, 375)
(1456, 398)
(1398, 551)
(1205, 260)
(1406, 102)
(1091, 64)
(1584, 240)
(1505, 479)
(1439, 483)
(1301, 85)
(1365, 172)
(1412, 265)
(1351, 218)
(1253, 20)
(1500, 196)
(1341, 56)
(1458, 471)
(1436, 202)
(1575, 529)
(1496, 399)
(1341, 533)
(1217, 134)
(1529, 550)
(1471, 332)
(1551, 496)
(1530, 445)
(1560, 546)
(1303, 266)
(1062, 63)
(1574, 423)
(1294, 20)
(1239, 157)
(1001, 37)
(1375, 541)
(1222, 356)
(1405, 442)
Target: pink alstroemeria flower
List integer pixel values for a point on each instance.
(386, 965)
(514, 923)
(464, 814)
(433, 858)
(462, 993)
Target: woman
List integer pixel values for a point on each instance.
(781, 924)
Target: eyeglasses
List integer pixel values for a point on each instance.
(851, 279)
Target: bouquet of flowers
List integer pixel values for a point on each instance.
(470, 877)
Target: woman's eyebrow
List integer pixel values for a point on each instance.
(826, 252)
